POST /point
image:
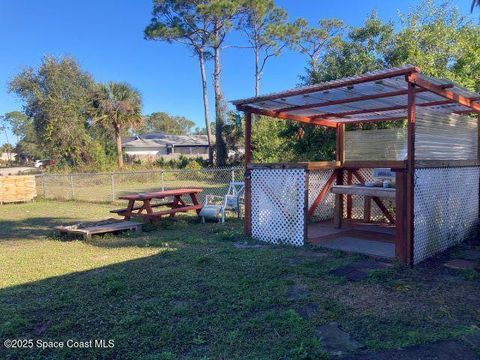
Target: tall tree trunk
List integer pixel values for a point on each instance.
(201, 58)
(118, 139)
(221, 158)
(257, 72)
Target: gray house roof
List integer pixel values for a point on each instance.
(159, 139)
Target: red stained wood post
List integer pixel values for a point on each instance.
(349, 197)
(400, 215)
(338, 216)
(248, 182)
(410, 181)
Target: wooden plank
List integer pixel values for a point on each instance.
(392, 164)
(413, 79)
(248, 138)
(247, 225)
(314, 165)
(338, 213)
(349, 197)
(400, 217)
(340, 140)
(330, 85)
(322, 194)
(410, 176)
(17, 188)
(138, 207)
(274, 114)
(377, 200)
(88, 231)
(384, 209)
(160, 213)
(367, 208)
(445, 163)
(349, 100)
(364, 191)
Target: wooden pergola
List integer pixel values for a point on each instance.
(388, 95)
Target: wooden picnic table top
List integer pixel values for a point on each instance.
(160, 194)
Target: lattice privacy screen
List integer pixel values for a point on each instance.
(445, 208)
(316, 181)
(357, 201)
(278, 205)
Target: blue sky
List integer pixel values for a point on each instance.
(106, 37)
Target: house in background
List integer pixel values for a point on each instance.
(156, 145)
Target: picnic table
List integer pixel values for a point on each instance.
(145, 207)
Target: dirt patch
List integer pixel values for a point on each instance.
(336, 341)
(359, 270)
(307, 311)
(297, 292)
(445, 350)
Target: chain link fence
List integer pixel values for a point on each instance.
(107, 187)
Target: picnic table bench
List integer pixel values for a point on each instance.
(145, 208)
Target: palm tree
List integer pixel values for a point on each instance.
(118, 105)
(474, 3)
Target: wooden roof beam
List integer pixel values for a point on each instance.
(330, 85)
(274, 114)
(351, 100)
(448, 94)
(388, 108)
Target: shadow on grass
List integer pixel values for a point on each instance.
(30, 228)
(204, 299)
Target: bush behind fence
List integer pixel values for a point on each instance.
(107, 187)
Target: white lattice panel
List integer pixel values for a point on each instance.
(357, 201)
(446, 208)
(316, 181)
(278, 205)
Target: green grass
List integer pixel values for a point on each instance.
(182, 290)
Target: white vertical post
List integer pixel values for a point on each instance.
(112, 178)
(233, 175)
(162, 182)
(72, 187)
(43, 186)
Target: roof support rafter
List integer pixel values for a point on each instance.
(332, 85)
(390, 108)
(427, 85)
(274, 114)
(353, 99)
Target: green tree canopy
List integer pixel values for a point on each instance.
(23, 128)
(165, 123)
(55, 97)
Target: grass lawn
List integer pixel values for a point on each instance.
(183, 290)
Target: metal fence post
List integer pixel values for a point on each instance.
(162, 181)
(72, 187)
(43, 186)
(112, 176)
(233, 175)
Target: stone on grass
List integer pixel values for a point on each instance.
(336, 341)
(444, 350)
(472, 340)
(460, 264)
(245, 245)
(297, 291)
(359, 270)
(306, 311)
(470, 254)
